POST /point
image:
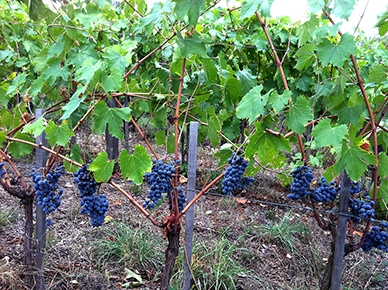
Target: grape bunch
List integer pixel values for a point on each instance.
(47, 191)
(233, 175)
(95, 206)
(302, 177)
(377, 238)
(160, 179)
(2, 170)
(361, 208)
(324, 192)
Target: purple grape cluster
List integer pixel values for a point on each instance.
(233, 178)
(302, 178)
(160, 179)
(2, 170)
(47, 191)
(324, 192)
(95, 206)
(377, 238)
(361, 208)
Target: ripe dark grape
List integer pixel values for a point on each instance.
(95, 206)
(2, 170)
(160, 179)
(377, 238)
(302, 178)
(47, 191)
(233, 177)
(361, 208)
(324, 192)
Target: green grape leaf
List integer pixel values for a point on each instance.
(153, 17)
(277, 102)
(252, 104)
(337, 91)
(191, 45)
(57, 48)
(224, 153)
(343, 8)
(249, 7)
(382, 23)
(266, 145)
(382, 194)
(326, 135)
(55, 69)
(36, 86)
(232, 90)
(248, 81)
(305, 56)
(160, 137)
(87, 70)
(336, 53)
(316, 5)
(35, 128)
(113, 117)
(305, 82)
(16, 82)
(212, 133)
(58, 135)
(348, 113)
(117, 57)
(354, 158)
(2, 138)
(75, 155)
(307, 29)
(17, 149)
(210, 69)
(191, 8)
(171, 143)
(300, 114)
(112, 81)
(378, 74)
(329, 173)
(383, 165)
(134, 166)
(74, 102)
(3, 93)
(101, 167)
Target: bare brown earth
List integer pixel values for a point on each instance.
(229, 240)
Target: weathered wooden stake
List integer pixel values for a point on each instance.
(192, 168)
(341, 232)
(40, 161)
(112, 143)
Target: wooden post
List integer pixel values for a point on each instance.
(192, 168)
(341, 232)
(112, 143)
(40, 161)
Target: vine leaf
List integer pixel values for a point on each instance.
(343, 8)
(18, 149)
(250, 6)
(58, 135)
(160, 137)
(316, 5)
(55, 69)
(336, 54)
(307, 29)
(75, 155)
(232, 90)
(326, 135)
(112, 81)
(266, 145)
(378, 74)
(134, 166)
(247, 80)
(210, 69)
(382, 193)
(348, 113)
(252, 104)
(191, 45)
(277, 101)
(355, 160)
(16, 82)
(36, 128)
(383, 165)
(224, 153)
(56, 48)
(382, 23)
(101, 167)
(2, 138)
(300, 114)
(74, 102)
(305, 56)
(191, 8)
(111, 116)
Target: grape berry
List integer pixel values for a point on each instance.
(377, 238)
(95, 206)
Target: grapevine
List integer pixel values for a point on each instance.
(47, 191)
(234, 175)
(95, 206)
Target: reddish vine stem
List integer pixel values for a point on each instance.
(15, 169)
(140, 131)
(199, 195)
(374, 133)
(178, 102)
(375, 114)
(87, 114)
(280, 66)
(134, 202)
